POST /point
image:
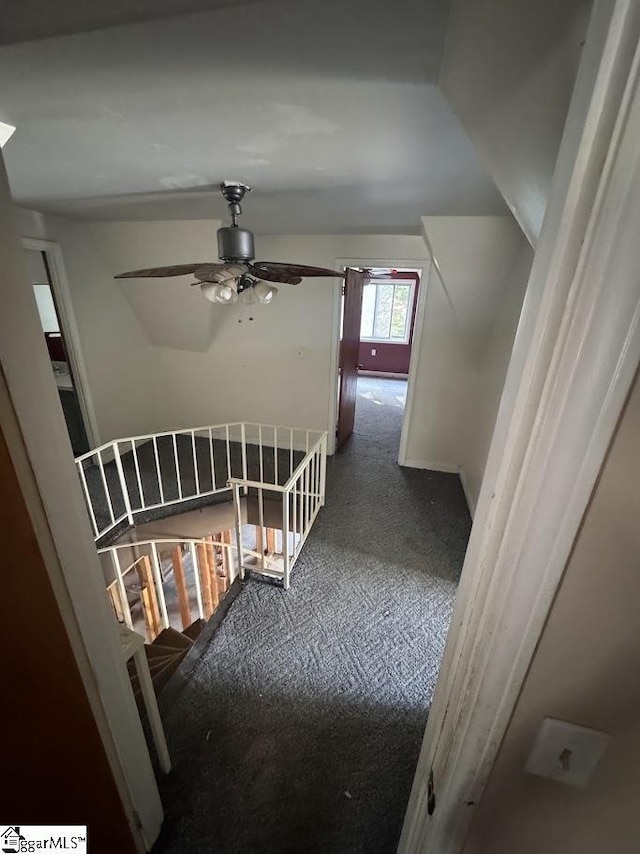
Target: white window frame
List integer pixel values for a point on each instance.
(412, 296)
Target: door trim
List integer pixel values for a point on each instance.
(47, 472)
(67, 318)
(576, 352)
(421, 265)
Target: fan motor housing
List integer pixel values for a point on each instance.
(235, 244)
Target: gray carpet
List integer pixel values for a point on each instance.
(300, 728)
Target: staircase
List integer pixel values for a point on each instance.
(164, 654)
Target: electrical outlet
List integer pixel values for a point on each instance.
(566, 752)
(374, 352)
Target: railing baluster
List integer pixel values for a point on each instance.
(307, 498)
(262, 532)
(290, 452)
(243, 440)
(229, 472)
(301, 510)
(313, 484)
(158, 470)
(195, 461)
(106, 488)
(123, 481)
(175, 457)
(134, 453)
(285, 539)
(87, 496)
(238, 520)
(294, 496)
(323, 469)
(213, 465)
(157, 573)
(196, 579)
(121, 587)
(275, 455)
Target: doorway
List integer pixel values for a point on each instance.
(44, 268)
(378, 312)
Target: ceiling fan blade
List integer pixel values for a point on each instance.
(273, 275)
(270, 269)
(175, 270)
(212, 272)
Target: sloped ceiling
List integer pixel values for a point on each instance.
(474, 256)
(508, 73)
(329, 108)
(171, 313)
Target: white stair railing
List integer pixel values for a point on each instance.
(290, 507)
(275, 474)
(128, 477)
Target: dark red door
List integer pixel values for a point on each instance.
(349, 354)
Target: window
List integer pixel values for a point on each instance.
(387, 307)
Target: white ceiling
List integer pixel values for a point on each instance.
(329, 108)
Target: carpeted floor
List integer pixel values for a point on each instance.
(300, 729)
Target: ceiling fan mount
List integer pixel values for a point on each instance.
(238, 274)
(235, 244)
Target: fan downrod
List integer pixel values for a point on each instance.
(235, 244)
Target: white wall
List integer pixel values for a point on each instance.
(586, 671)
(474, 297)
(118, 358)
(159, 356)
(508, 74)
(488, 371)
(171, 312)
(275, 368)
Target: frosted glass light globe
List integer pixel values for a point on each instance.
(265, 292)
(209, 290)
(226, 294)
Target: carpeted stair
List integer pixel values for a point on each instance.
(165, 655)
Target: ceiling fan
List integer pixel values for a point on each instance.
(238, 276)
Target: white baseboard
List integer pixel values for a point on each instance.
(387, 375)
(449, 468)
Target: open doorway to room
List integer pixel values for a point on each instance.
(389, 302)
(377, 323)
(44, 268)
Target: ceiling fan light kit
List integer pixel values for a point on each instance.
(222, 292)
(264, 292)
(238, 276)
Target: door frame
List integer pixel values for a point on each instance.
(348, 358)
(30, 414)
(576, 353)
(69, 327)
(422, 265)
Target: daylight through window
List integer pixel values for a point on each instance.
(386, 312)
